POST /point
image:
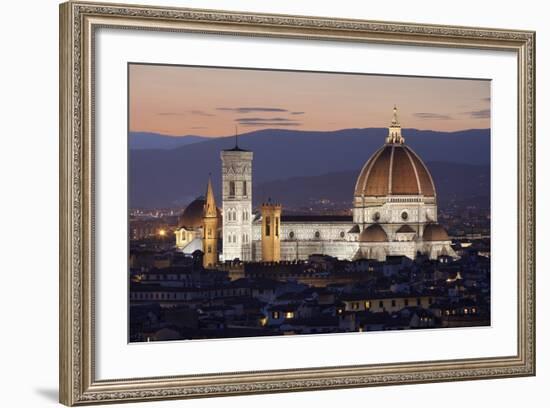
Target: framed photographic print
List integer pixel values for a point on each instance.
(258, 203)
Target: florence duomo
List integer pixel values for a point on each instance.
(329, 209)
(394, 213)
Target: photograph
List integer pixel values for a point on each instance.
(268, 202)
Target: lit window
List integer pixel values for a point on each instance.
(275, 315)
(367, 304)
(289, 315)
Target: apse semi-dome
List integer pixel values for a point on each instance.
(435, 232)
(405, 228)
(395, 169)
(373, 233)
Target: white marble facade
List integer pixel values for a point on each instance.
(394, 211)
(299, 240)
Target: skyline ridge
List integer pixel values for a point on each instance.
(153, 140)
(154, 172)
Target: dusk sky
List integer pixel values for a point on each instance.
(179, 100)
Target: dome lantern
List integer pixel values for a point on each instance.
(394, 130)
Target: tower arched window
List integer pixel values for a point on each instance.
(245, 189)
(267, 226)
(231, 189)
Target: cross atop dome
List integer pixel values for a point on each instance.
(394, 130)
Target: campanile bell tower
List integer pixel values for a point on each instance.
(237, 203)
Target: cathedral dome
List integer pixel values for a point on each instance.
(395, 169)
(191, 217)
(435, 232)
(373, 233)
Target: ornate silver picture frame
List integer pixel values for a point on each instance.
(79, 22)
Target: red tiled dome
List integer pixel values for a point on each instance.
(395, 169)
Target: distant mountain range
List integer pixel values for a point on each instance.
(453, 181)
(148, 140)
(289, 164)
